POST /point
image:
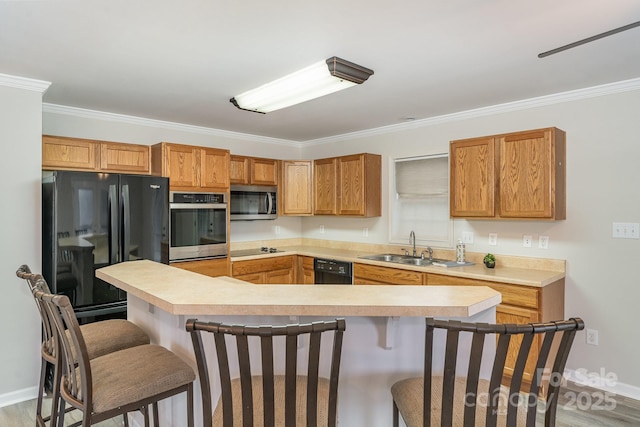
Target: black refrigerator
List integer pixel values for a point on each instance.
(91, 220)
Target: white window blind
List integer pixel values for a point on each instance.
(420, 202)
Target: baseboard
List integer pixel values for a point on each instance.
(604, 381)
(18, 396)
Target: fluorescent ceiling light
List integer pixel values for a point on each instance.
(317, 80)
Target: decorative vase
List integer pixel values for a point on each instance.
(490, 264)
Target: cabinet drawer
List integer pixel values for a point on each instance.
(261, 265)
(521, 296)
(208, 267)
(372, 274)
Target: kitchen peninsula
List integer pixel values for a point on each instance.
(382, 344)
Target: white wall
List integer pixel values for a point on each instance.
(603, 274)
(20, 168)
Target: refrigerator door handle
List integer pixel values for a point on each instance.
(113, 224)
(126, 223)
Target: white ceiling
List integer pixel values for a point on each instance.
(181, 61)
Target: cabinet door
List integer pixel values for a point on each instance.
(130, 158)
(182, 163)
(214, 168)
(516, 315)
(296, 194)
(472, 182)
(264, 171)
(256, 278)
(351, 191)
(324, 186)
(68, 153)
(364, 274)
(526, 165)
(279, 277)
(306, 274)
(239, 170)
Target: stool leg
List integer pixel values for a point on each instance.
(395, 414)
(156, 419)
(43, 373)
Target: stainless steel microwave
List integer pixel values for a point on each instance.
(252, 202)
(197, 226)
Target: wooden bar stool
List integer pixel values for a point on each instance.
(100, 337)
(260, 396)
(467, 398)
(115, 383)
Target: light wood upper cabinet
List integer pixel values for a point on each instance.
(239, 170)
(348, 185)
(325, 182)
(472, 182)
(296, 190)
(359, 178)
(517, 175)
(214, 168)
(96, 156)
(253, 170)
(191, 168)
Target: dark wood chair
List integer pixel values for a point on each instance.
(260, 394)
(115, 383)
(101, 338)
(460, 395)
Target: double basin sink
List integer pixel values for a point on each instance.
(403, 259)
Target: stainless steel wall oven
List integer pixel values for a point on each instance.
(197, 225)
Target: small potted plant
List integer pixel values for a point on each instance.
(489, 260)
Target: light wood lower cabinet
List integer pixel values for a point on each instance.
(306, 274)
(208, 267)
(365, 274)
(272, 270)
(520, 304)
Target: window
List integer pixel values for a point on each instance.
(420, 201)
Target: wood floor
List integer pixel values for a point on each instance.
(578, 406)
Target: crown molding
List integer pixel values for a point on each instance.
(24, 83)
(141, 121)
(557, 98)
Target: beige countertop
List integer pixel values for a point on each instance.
(182, 292)
(527, 272)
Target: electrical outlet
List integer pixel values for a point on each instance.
(365, 232)
(493, 239)
(467, 237)
(592, 336)
(526, 240)
(276, 229)
(322, 229)
(626, 230)
(543, 242)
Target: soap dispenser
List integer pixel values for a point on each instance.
(460, 249)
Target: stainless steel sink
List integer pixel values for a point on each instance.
(385, 257)
(401, 259)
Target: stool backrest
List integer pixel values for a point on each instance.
(70, 347)
(290, 334)
(550, 360)
(37, 283)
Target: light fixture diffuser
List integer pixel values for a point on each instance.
(312, 82)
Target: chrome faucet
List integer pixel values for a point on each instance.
(412, 241)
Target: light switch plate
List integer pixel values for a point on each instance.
(543, 242)
(493, 239)
(467, 237)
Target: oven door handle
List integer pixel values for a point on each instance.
(197, 205)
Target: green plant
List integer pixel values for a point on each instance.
(489, 258)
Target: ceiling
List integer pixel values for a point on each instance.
(181, 61)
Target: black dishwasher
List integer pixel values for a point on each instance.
(332, 272)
